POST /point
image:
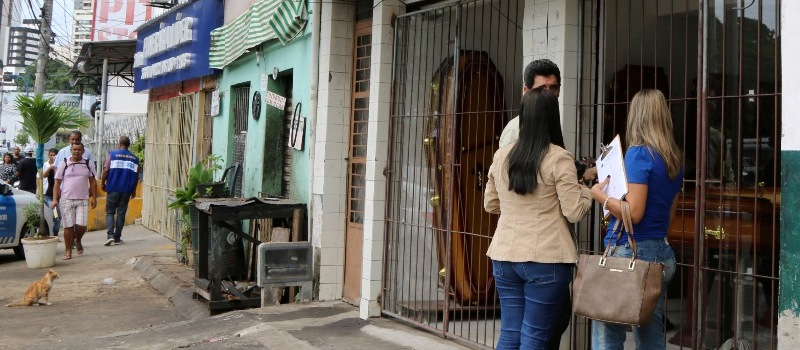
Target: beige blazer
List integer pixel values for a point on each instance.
(536, 226)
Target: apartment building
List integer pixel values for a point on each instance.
(81, 26)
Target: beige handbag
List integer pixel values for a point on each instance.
(615, 289)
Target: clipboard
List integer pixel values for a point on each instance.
(611, 162)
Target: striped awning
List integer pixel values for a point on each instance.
(255, 27)
(288, 22)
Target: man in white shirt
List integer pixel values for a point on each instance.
(539, 73)
(75, 137)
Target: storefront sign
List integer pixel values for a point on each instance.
(275, 100)
(118, 19)
(174, 47)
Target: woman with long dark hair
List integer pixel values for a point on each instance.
(8, 170)
(533, 185)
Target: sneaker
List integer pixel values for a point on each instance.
(109, 242)
(119, 242)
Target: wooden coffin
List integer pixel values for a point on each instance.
(746, 222)
(460, 138)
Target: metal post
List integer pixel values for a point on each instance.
(103, 104)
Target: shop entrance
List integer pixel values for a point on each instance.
(457, 81)
(718, 64)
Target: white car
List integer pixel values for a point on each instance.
(12, 219)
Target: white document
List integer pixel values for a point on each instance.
(611, 162)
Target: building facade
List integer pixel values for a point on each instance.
(171, 64)
(405, 103)
(264, 98)
(402, 229)
(23, 45)
(81, 26)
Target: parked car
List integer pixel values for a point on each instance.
(12, 220)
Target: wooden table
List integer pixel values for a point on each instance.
(220, 210)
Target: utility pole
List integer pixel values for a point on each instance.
(44, 48)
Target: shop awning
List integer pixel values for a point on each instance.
(263, 21)
(88, 67)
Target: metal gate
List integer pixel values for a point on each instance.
(718, 64)
(456, 82)
(241, 111)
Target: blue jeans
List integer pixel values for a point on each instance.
(610, 336)
(116, 204)
(48, 201)
(532, 297)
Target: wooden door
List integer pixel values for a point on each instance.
(356, 165)
(462, 138)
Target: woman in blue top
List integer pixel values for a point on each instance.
(655, 176)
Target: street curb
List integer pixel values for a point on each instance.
(171, 287)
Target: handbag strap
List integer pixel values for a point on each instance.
(624, 224)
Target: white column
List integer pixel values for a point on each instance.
(550, 30)
(331, 145)
(377, 154)
(789, 294)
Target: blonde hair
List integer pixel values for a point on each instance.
(650, 124)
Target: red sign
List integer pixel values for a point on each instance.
(117, 19)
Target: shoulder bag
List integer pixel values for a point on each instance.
(615, 289)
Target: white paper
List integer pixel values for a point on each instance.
(611, 162)
(263, 82)
(215, 103)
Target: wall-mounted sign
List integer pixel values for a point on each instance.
(275, 100)
(215, 103)
(118, 19)
(175, 47)
(256, 105)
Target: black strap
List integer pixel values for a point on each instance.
(68, 164)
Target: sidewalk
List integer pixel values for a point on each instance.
(129, 314)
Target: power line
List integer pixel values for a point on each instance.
(66, 34)
(41, 34)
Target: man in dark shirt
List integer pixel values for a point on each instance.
(26, 171)
(16, 157)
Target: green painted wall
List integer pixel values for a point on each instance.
(263, 136)
(789, 293)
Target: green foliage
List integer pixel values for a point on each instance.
(21, 139)
(41, 118)
(61, 145)
(32, 214)
(137, 148)
(201, 172)
(57, 78)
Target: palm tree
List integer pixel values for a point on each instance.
(41, 119)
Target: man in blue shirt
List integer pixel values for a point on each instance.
(75, 137)
(119, 180)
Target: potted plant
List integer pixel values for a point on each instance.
(40, 251)
(206, 187)
(41, 119)
(200, 173)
